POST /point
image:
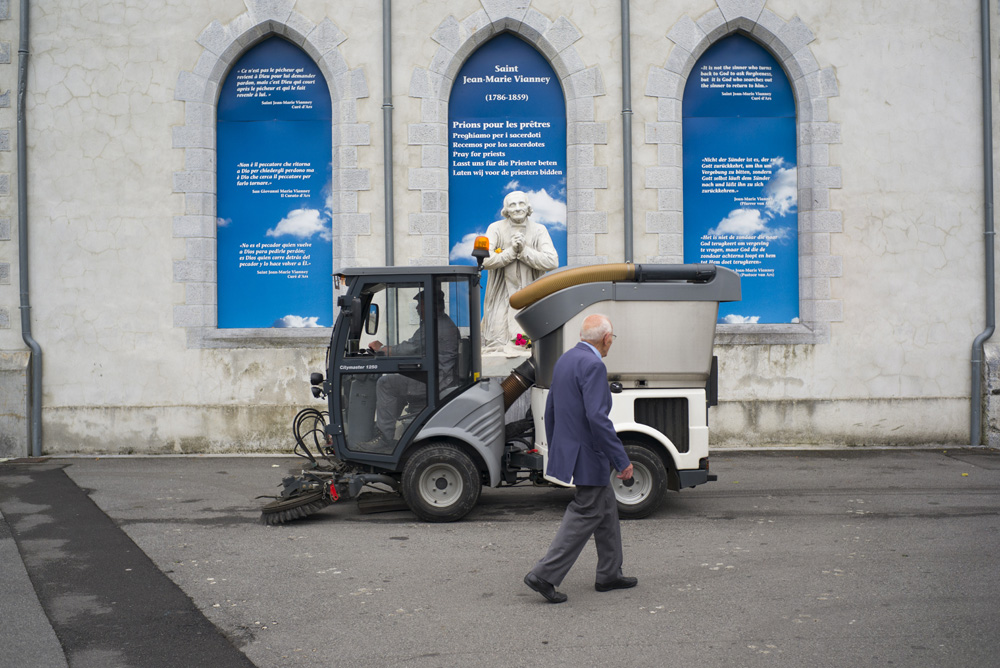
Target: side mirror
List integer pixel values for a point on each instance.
(371, 322)
(316, 378)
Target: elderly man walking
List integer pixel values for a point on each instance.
(583, 447)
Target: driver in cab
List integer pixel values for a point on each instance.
(394, 391)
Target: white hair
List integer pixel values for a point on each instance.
(595, 327)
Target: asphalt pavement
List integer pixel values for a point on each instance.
(851, 557)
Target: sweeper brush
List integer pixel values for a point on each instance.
(293, 508)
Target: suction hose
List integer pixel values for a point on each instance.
(638, 273)
(550, 283)
(518, 382)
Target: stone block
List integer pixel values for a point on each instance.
(570, 60)
(200, 204)
(5, 53)
(663, 133)
(580, 199)
(535, 24)
(434, 155)
(433, 110)
(501, 9)
(352, 179)
(588, 83)
(434, 201)
(200, 248)
(216, 38)
(591, 177)
(449, 34)
(591, 223)
(668, 199)
(201, 294)
(794, 35)
(686, 34)
(14, 404)
(196, 271)
(429, 178)
(561, 34)
(768, 25)
(326, 36)
(670, 244)
(269, 10)
(991, 395)
(190, 87)
(427, 133)
(587, 133)
(664, 222)
(663, 177)
(713, 24)
(428, 223)
(733, 9)
(661, 83)
(679, 61)
(819, 133)
(355, 134)
(196, 182)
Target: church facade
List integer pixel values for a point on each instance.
(178, 181)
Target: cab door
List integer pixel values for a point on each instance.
(382, 374)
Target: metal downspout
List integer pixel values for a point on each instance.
(35, 391)
(387, 129)
(627, 127)
(976, 434)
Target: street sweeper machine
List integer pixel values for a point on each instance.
(412, 422)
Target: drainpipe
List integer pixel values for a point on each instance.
(627, 126)
(387, 128)
(976, 434)
(35, 391)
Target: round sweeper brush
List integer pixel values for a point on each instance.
(294, 507)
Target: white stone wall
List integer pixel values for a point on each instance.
(121, 184)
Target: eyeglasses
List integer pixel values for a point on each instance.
(614, 336)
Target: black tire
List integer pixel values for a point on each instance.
(649, 486)
(294, 507)
(440, 483)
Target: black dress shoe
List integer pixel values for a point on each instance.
(620, 583)
(544, 588)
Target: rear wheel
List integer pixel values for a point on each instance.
(649, 485)
(440, 483)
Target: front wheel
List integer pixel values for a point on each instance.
(649, 484)
(440, 483)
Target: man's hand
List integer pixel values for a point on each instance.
(626, 474)
(377, 346)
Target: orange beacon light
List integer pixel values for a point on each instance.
(481, 249)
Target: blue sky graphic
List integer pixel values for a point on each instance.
(277, 225)
(736, 121)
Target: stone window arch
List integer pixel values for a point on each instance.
(788, 41)
(457, 40)
(222, 45)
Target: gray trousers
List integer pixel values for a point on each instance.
(592, 512)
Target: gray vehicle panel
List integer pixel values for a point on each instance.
(475, 417)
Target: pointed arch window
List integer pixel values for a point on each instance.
(274, 233)
(740, 184)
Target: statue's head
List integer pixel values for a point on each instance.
(515, 207)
